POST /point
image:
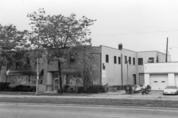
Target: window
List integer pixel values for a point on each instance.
(107, 58)
(133, 61)
(125, 59)
(115, 59)
(140, 61)
(157, 59)
(119, 60)
(129, 60)
(104, 67)
(151, 60)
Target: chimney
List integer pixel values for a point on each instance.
(120, 46)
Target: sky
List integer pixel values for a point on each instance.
(139, 25)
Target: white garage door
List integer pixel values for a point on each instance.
(158, 81)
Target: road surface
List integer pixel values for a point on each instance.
(24, 110)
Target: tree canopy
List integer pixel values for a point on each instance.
(47, 31)
(11, 38)
(59, 31)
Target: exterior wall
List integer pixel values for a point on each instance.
(176, 78)
(159, 57)
(129, 69)
(162, 57)
(100, 72)
(76, 61)
(161, 68)
(112, 74)
(171, 79)
(147, 79)
(145, 55)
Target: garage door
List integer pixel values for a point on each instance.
(158, 82)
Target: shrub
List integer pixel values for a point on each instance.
(80, 90)
(4, 86)
(66, 87)
(24, 88)
(96, 89)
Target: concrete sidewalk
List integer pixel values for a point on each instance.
(154, 95)
(154, 99)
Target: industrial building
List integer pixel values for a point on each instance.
(90, 65)
(122, 66)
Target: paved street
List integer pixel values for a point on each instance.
(21, 110)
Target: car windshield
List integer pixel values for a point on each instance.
(171, 87)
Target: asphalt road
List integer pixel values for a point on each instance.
(24, 110)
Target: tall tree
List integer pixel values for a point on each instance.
(59, 31)
(11, 40)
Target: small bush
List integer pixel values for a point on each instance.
(80, 90)
(66, 88)
(96, 89)
(24, 88)
(4, 86)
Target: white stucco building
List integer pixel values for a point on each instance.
(123, 66)
(160, 75)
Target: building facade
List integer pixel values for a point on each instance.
(123, 66)
(89, 65)
(109, 66)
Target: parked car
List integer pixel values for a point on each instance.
(170, 90)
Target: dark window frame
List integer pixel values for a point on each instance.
(133, 60)
(130, 60)
(119, 60)
(107, 58)
(140, 61)
(151, 60)
(125, 57)
(115, 60)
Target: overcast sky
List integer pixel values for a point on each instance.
(138, 24)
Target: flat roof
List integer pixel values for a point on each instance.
(132, 50)
(152, 51)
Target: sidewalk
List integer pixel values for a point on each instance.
(154, 99)
(154, 95)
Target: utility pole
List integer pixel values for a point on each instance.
(120, 47)
(60, 76)
(127, 72)
(37, 67)
(122, 82)
(166, 50)
(37, 77)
